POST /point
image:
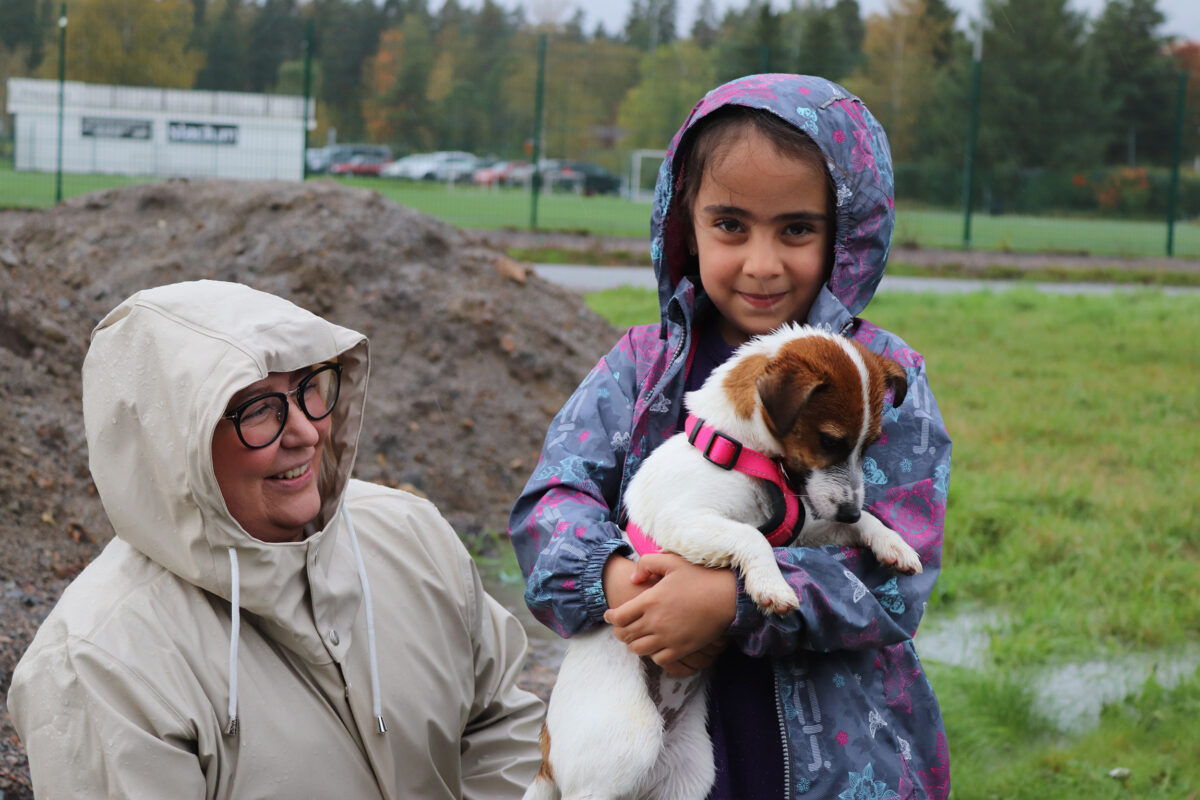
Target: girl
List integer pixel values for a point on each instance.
(774, 204)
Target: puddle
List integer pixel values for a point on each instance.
(1071, 696)
(959, 640)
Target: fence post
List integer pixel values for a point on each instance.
(62, 76)
(308, 38)
(537, 132)
(1176, 156)
(972, 134)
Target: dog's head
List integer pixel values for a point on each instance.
(822, 399)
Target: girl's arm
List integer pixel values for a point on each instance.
(561, 526)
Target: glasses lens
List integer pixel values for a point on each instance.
(318, 392)
(262, 420)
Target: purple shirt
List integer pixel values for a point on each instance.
(742, 715)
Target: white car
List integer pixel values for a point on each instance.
(444, 165)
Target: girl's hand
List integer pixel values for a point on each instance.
(676, 621)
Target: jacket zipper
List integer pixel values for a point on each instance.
(782, 720)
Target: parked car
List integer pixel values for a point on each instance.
(495, 173)
(588, 178)
(521, 173)
(360, 165)
(444, 165)
(323, 159)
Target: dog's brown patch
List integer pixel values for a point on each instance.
(544, 740)
(740, 384)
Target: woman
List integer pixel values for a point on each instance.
(262, 625)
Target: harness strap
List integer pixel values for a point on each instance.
(728, 453)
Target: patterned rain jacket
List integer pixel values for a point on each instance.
(858, 715)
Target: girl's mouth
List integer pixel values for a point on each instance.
(761, 300)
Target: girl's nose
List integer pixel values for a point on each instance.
(762, 259)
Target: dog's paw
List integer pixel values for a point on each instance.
(771, 593)
(897, 554)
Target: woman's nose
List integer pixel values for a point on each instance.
(298, 429)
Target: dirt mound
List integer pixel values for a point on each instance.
(472, 354)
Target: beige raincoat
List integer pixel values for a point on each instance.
(191, 660)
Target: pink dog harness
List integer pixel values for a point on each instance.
(728, 453)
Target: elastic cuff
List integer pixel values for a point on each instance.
(748, 615)
(592, 580)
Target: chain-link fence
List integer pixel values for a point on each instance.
(565, 131)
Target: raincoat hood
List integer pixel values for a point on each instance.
(857, 157)
(157, 378)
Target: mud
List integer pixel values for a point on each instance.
(472, 355)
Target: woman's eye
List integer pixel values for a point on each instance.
(259, 412)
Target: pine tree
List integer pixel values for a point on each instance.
(1138, 77)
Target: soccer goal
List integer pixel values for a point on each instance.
(643, 173)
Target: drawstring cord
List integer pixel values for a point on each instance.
(376, 695)
(231, 727)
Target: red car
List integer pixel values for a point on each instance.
(360, 165)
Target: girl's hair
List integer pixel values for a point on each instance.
(715, 133)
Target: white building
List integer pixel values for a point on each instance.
(126, 130)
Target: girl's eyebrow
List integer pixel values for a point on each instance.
(786, 216)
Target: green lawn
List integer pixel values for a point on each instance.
(470, 207)
(1073, 525)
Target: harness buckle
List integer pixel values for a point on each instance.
(732, 460)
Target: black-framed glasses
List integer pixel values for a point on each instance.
(260, 420)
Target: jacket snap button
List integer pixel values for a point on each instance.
(334, 638)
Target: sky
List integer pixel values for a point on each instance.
(1183, 16)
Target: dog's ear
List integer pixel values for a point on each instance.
(784, 394)
(894, 378)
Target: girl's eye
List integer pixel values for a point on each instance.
(797, 229)
(728, 225)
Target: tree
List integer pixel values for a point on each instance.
(1187, 60)
(18, 23)
(705, 27)
(1138, 77)
(651, 23)
(398, 109)
(225, 52)
(672, 79)
(348, 33)
(128, 43)
(276, 35)
(903, 54)
(752, 41)
(1041, 96)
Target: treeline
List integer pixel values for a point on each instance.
(1060, 90)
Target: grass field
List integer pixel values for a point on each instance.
(469, 207)
(1072, 535)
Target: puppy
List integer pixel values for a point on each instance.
(797, 400)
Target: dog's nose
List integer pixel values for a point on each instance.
(848, 512)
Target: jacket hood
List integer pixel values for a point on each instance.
(857, 156)
(157, 378)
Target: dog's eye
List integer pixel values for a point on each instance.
(832, 444)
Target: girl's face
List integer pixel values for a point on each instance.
(761, 232)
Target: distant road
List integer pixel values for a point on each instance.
(593, 279)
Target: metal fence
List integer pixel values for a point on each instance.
(566, 135)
